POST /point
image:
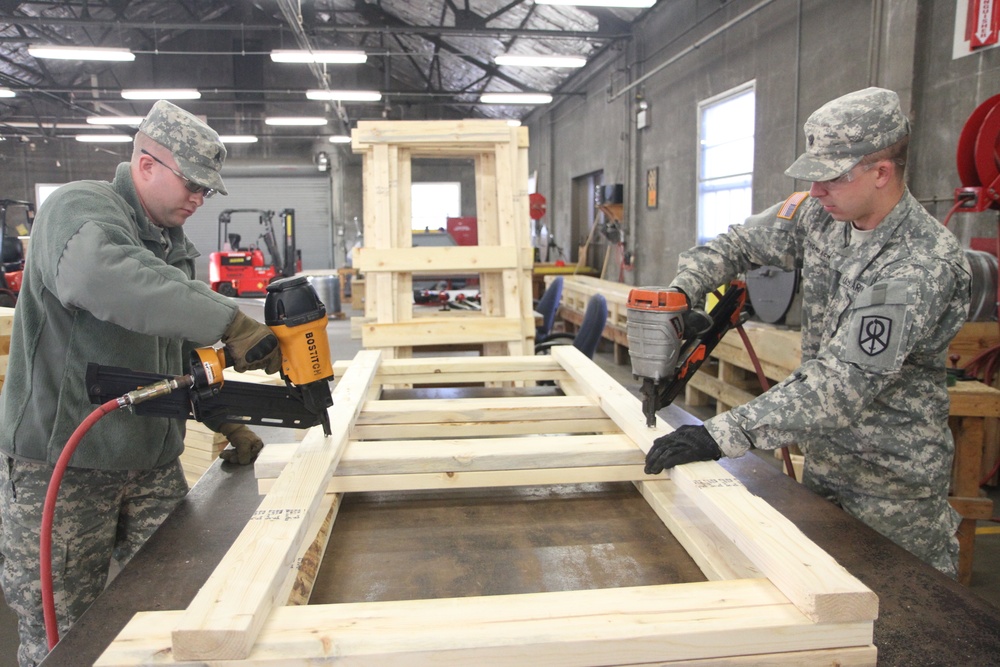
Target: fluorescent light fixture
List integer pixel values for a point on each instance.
(161, 94)
(599, 3)
(104, 138)
(81, 53)
(238, 138)
(514, 123)
(541, 61)
(339, 139)
(46, 124)
(337, 57)
(345, 95)
(114, 120)
(515, 98)
(296, 120)
(7, 92)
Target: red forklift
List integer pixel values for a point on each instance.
(241, 271)
(16, 218)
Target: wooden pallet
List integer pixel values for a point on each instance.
(772, 597)
(503, 258)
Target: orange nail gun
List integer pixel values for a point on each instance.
(668, 342)
(297, 317)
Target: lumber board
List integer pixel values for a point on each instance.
(812, 580)
(441, 331)
(478, 479)
(298, 584)
(448, 365)
(448, 135)
(820, 587)
(445, 260)
(655, 624)
(715, 554)
(446, 410)
(6, 321)
(459, 455)
(223, 620)
(481, 429)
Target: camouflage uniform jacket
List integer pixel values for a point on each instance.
(104, 285)
(869, 404)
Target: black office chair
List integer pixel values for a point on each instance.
(589, 334)
(548, 306)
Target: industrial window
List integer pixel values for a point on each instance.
(725, 157)
(431, 204)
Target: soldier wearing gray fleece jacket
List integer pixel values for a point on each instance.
(109, 279)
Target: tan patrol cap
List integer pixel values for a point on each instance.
(195, 146)
(846, 129)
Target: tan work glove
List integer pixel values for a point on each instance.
(251, 345)
(246, 444)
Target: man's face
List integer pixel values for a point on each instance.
(164, 193)
(849, 197)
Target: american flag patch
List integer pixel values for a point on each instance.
(787, 209)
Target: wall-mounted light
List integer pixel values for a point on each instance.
(322, 161)
(515, 98)
(295, 120)
(81, 53)
(318, 56)
(161, 94)
(540, 61)
(642, 115)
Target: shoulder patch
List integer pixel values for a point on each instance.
(791, 204)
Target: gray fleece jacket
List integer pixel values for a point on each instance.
(102, 284)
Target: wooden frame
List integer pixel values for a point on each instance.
(503, 257)
(772, 596)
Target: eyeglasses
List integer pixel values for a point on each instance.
(188, 183)
(847, 177)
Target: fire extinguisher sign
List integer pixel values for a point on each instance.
(981, 27)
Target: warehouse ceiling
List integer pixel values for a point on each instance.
(429, 58)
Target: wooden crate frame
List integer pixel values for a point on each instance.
(772, 596)
(503, 258)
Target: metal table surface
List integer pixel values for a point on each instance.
(602, 536)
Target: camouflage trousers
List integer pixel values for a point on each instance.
(926, 527)
(102, 516)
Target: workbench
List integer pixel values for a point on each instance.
(459, 543)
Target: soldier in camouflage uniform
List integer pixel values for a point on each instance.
(110, 280)
(885, 288)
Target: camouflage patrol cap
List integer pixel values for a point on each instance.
(195, 146)
(846, 129)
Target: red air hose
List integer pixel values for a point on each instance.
(765, 385)
(48, 512)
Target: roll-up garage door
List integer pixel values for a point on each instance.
(308, 195)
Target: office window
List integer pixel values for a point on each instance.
(725, 161)
(431, 204)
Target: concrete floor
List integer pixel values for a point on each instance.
(986, 575)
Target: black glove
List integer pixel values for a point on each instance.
(686, 444)
(246, 444)
(251, 345)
